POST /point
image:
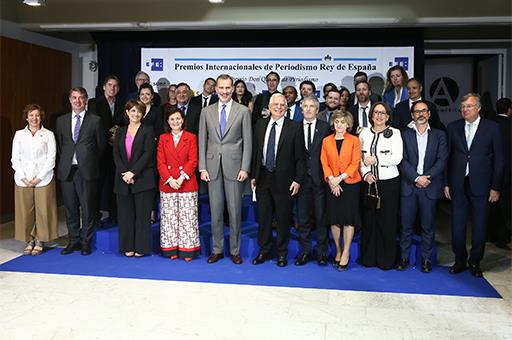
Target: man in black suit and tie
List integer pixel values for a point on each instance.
(192, 110)
(402, 112)
(362, 108)
(208, 96)
(311, 198)
(422, 169)
(110, 111)
(81, 140)
(261, 101)
(361, 76)
(475, 172)
(277, 172)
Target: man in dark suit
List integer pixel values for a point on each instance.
(110, 110)
(361, 110)
(261, 101)
(192, 110)
(81, 140)
(294, 111)
(277, 172)
(499, 215)
(143, 78)
(326, 88)
(208, 96)
(306, 88)
(475, 170)
(311, 198)
(402, 112)
(361, 76)
(422, 168)
(332, 102)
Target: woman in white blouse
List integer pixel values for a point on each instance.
(35, 204)
(382, 149)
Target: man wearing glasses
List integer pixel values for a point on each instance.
(475, 168)
(422, 168)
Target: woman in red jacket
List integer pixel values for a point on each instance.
(177, 163)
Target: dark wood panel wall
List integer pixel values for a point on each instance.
(28, 74)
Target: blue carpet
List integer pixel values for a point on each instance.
(356, 278)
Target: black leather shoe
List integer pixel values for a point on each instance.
(302, 259)
(475, 270)
(322, 260)
(215, 257)
(260, 258)
(426, 266)
(282, 261)
(457, 268)
(402, 264)
(71, 247)
(86, 250)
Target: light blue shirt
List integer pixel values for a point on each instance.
(422, 140)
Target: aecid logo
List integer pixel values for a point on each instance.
(444, 91)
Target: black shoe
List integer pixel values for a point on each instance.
(457, 268)
(402, 264)
(282, 261)
(426, 266)
(86, 250)
(302, 259)
(322, 260)
(71, 247)
(214, 258)
(475, 270)
(260, 259)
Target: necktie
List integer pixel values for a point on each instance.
(469, 140)
(76, 132)
(184, 109)
(205, 104)
(365, 119)
(288, 113)
(271, 144)
(222, 120)
(309, 136)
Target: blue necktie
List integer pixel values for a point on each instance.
(271, 154)
(222, 120)
(76, 132)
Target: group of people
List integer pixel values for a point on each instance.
(354, 162)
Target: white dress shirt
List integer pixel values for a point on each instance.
(313, 126)
(292, 111)
(360, 114)
(33, 156)
(421, 140)
(279, 128)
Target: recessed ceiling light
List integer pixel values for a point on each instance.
(34, 3)
(216, 1)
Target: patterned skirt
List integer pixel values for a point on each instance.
(179, 225)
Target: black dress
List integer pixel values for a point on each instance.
(344, 209)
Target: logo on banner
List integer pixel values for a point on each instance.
(157, 64)
(444, 91)
(328, 58)
(401, 61)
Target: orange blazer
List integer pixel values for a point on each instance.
(347, 161)
(171, 160)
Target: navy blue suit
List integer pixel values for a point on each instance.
(422, 199)
(297, 113)
(470, 193)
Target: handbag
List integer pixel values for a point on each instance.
(372, 200)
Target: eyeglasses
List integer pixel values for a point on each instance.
(380, 113)
(420, 111)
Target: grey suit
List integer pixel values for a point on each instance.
(322, 115)
(223, 158)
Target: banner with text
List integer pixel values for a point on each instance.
(317, 64)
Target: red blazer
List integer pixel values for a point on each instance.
(347, 161)
(171, 160)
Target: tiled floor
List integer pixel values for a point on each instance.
(43, 306)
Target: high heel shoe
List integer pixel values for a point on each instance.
(343, 267)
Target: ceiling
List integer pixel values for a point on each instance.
(73, 19)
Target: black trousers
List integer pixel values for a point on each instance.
(311, 200)
(80, 198)
(273, 202)
(135, 221)
(380, 227)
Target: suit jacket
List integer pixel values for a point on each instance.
(354, 110)
(402, 116)
(234, 148)
(374, 97)
(313, 164)
(141, 161)
(297, 113)
(290, 156)
(89, 147)
(346, 161)
(389, 96)
(485, 158)
(198, 100)
(172, 160)
(434, 164)
(101, 107)
(505, 124)
(322, 115)
(260, 102)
